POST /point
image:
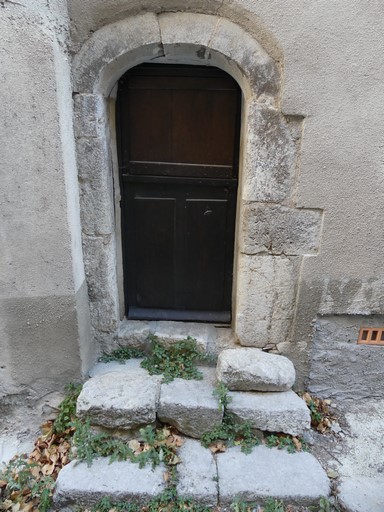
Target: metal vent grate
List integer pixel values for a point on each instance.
(371, 336)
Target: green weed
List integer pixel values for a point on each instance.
(152, 448)
(121, 354)
(229, 431)
(67, 410)
(176, 360)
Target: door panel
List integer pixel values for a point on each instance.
(178, 146)
(154, 239)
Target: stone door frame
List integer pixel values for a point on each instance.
(271, 233)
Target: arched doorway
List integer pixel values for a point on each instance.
(178, 146)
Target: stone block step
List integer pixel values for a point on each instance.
(294, 478)
(125, 396)
(135, 333)
(251, 369)
(125, 399)
(189, 405)
(273, 412)
(80, 484)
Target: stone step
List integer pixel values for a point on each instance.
(209, 480)
(251, 369)
(125, 396)
(295, 478)
(81, 485)
(135, 333)
(272, 412)
(189, 405)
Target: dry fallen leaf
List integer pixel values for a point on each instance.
(218, 447)
(297, 444)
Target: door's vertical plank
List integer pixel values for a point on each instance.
(152, 255)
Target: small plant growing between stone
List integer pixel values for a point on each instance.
(321, 417)
(67, 410)
(176, 360)
(153, 446)
(121, 354)
(228, 432)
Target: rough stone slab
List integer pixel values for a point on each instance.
(275, 412)
(189, 405)
(78, 484)
(266, 298)
(197, 474)
(279, 230)
(360, 494)
(129, 367)
(296, 478)
(119, 400)
(250, 369)
(135, 333)
(171, 332)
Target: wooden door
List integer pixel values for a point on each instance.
(178, 132)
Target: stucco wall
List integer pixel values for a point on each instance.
(331, 62)
(44, 328)
(330, 54)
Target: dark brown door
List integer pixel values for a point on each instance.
(178, 131)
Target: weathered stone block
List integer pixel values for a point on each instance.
(100, 268)
(171, 332)
(192, 31)
(89, 115)
(296, 478)
(274, 412)
(129, 367)
(189, 405)
(266, 298)
(126, 39)
(239, 46)
(279, 230)
(271, 156)
(80, 484)
(134, 333)
(120, 400)
(96, 187)
(197, 474)
(250, 369)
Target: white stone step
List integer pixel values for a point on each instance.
(189, 405)
(295, 478)
(197, 474)
(135, 333)
(251, 369)
(120, 399)
(272, 412)
(80, 484)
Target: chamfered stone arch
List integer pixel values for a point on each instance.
(271, 234)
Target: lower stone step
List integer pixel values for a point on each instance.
(295, 478)
(273, 412)
(136, 333)
(81, 485)
(209, 480)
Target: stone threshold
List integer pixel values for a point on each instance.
(210, 338)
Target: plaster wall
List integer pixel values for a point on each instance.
(45, 334)
(312, 234)
(330, 58)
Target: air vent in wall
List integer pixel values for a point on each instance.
(371, 336)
